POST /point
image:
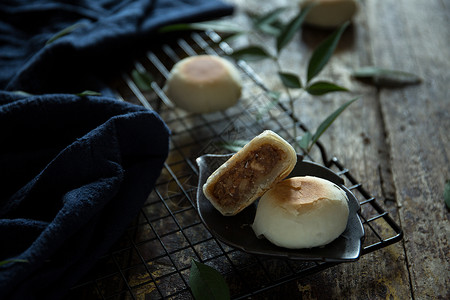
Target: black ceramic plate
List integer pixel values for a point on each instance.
(236, 230)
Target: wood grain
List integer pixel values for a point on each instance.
(416, 118)
(395, 141)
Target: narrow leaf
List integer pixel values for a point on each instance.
(251, 53)
(218, 26)
(231, 36)
(64, 32)
(206, 283)
(289, 31)
(447, 194)
(233, 146)
(323, 87)
(328, 121)
(269, 17)
(22, 93)
(386, 77)
(9, 261)
(323, 52)
(143, 80)
(88, 93)
(271, 29)
(305, 140)
(290, 80)
(269, 22)
(274, 95)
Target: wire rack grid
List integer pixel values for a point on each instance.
(153, 258)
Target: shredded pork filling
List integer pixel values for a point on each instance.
(239, 183)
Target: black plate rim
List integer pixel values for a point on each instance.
(296, 254)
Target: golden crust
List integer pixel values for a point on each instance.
(300, 194)
(302, 212)
(264, 161)
(203, 69)
(203, 84)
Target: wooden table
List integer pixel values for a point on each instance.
(394, 140)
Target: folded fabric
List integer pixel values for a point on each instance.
(74, 170)
(102, 36)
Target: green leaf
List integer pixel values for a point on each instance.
(269, 22)
(64, 32)
(218, 26)
(251, 53)
(323, 87)
(230, 37)
(9, 261)
(88, 93)
(290, 80)
(22, 93)
(206, 283)
(143, 80)
(274, 95)
(323, 52)
(305, 140)
(328, 121)
(233, 146)
(289, 31)
(386, 77)
(447, 194)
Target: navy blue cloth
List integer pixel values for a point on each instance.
(74, 170)
(106, 33)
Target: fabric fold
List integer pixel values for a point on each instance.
(105, 158)
(75, 170)
(103, 38)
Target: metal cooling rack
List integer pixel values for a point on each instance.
(153, 258)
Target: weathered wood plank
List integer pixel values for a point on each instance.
(395, 141)
(414, 37)
(358, 139)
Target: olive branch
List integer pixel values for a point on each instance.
(283, 33)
